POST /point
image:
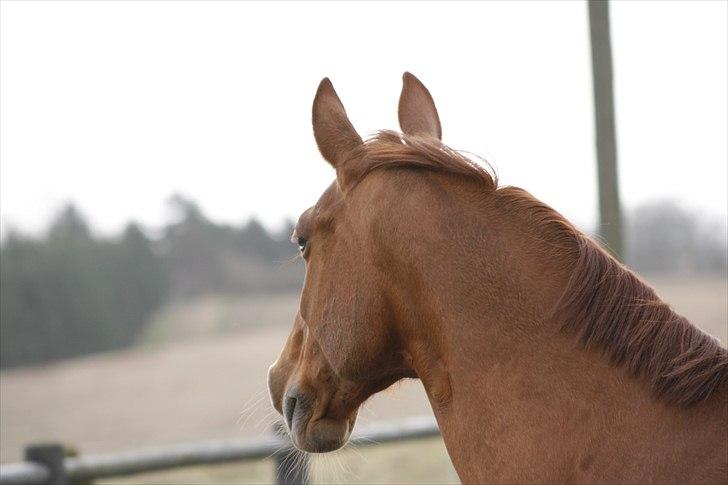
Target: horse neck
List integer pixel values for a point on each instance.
(507, 383)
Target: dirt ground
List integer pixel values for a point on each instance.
(213, 387)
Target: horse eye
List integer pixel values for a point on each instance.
(302, 241)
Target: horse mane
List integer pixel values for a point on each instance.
(389, 149)
(604, 304)
(610, 308)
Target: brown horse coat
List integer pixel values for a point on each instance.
(544, 359)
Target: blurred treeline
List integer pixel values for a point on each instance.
(663, 237)
(70, 292)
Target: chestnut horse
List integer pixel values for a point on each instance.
(544, 359)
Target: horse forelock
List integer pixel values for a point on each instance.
(390, 149)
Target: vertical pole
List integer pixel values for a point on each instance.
(292, 465)
(610, 216)
(50, 456)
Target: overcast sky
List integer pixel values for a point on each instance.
(116, 105)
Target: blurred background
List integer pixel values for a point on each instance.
(154, 156)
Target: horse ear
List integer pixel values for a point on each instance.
(417, 112)
(335, 136)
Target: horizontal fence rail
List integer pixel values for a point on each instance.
(47, 464)
(26, 472)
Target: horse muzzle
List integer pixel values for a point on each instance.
(304, 413)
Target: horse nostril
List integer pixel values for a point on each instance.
(289, 406)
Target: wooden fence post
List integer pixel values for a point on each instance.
(50, 456)
(610, 209)
(292, 465)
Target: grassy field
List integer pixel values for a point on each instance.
(200, 375)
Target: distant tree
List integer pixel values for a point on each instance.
(69, 224)
(205, 257)
(665, 237)
(255, 241)
(72, 294)
(25, 324)
(185, 209)
(195, 251)
(142, 276)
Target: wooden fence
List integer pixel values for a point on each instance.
(49, 463)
